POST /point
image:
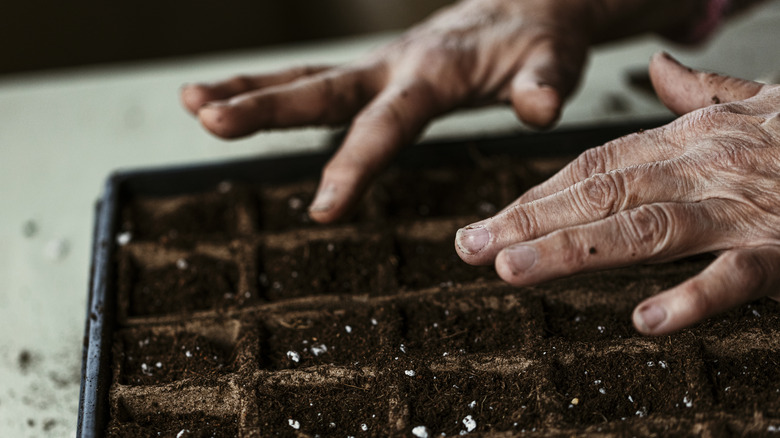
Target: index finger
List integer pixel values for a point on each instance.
(394, 119)
(194, 96)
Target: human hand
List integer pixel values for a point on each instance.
(529, 53)
(709, 181)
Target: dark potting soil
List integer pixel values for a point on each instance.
(191, 283)
(154, 358)
(381, 330)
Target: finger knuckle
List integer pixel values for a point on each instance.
(647, 230)
(697, 299)
(749, 270)
(522, 222)
(600, 194)
(591, 162)
(574, 254)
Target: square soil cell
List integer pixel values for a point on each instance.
(190, 284)
(210, 215)
(439, 193)
(747, 382)
(320, 267)
(455, 403)
(424, 263)
(619, 386)
(149, 358)
(155, 424)
(592, 324)
(286, 208)
(343, 338)
(469, 327)
(352, 408)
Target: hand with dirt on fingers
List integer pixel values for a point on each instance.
(529, 53)
(707, 182)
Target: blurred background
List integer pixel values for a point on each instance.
(39, 34)
(88, 87)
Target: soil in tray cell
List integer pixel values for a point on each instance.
(327, 267)
(608, 387)
(425, 263)
(345, 337)
(467, 327)
(439, 193)
(351, 408)
(594, 323)
(192, 283)
(152, 358)
(174, 426)
(286, 209)
(454, 403)
(211, 215)
(749, 382)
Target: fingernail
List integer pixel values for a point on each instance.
(471, 240)
(324, 199)
(651, 317)
(521, 257)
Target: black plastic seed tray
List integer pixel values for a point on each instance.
(102, 303)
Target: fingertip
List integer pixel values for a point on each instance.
(193, 97)
(649, 318)
(538, 106)
(325, 208)
(224, 120)
(472, 243)
(514, 263)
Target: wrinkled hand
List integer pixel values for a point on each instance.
(709, 181)
(529, 53)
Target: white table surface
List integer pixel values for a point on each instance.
(61, 133)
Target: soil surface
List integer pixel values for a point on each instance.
(245, 319)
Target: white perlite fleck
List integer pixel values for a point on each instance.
(348, 328)
(294, 424)
(182, 432)
(319, 349)
(403, 348)
(123, 239)
(688, 402)
(630, 399)
(295, 203)
(602, 390)
(773, 429)
(294, 356)
(410, 373)
(158, 364)
(420, 432)
(473, 404)
(187, 353)
(374, 321)
(224, 187)
(469, 423)
(662, 364)
(364, 427)
(182, 264)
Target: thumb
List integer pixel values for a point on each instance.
(683, 89)
(549, 74)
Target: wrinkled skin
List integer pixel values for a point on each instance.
(707, 182)
(477, 52)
